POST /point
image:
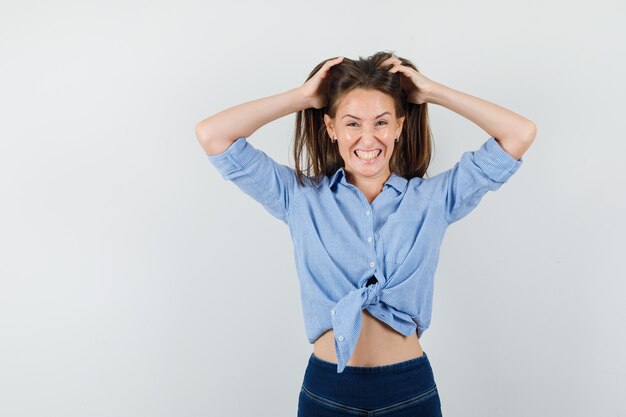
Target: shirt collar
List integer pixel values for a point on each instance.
(396, 181)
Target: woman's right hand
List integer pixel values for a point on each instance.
(311, 90)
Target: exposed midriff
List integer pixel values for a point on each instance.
(378, 345)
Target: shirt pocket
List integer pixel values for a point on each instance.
(399, 236)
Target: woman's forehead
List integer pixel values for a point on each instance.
(365, 104)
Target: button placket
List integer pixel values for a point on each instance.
(368, 212)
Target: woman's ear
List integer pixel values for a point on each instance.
(328, 121)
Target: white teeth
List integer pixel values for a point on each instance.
(368, 156)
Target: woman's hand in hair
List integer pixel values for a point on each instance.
(416, 86)
(311, 90)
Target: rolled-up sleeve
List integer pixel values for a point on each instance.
(477, 172)
(255, 173)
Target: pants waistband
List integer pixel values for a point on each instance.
(382, 369)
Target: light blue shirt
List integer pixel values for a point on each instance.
(340, 240)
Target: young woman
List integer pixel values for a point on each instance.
(366, 224)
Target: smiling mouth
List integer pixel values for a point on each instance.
(368, 156)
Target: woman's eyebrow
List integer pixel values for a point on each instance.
(382, 114)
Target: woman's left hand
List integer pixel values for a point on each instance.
(415, 84)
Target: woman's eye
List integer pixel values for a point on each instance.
(380, 121)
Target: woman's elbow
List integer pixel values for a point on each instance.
(202, 132)
(530, 133)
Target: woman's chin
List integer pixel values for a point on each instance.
(367, 168)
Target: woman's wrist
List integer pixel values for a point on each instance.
(436, 93)
(300, 101)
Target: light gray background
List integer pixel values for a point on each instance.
(135, 281)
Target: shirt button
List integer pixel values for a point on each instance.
(369, 238)
(332, 311)
(340, 338)
(368, 212)
(371, 263)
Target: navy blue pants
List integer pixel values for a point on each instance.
(401, 389)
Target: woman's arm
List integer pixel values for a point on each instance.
(514, 133)
(217, 132)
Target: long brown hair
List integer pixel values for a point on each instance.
(411, 155)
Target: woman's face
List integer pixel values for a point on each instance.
(365, 121)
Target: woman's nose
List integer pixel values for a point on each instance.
(368, 132)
